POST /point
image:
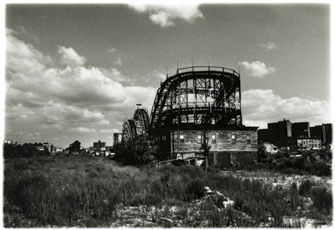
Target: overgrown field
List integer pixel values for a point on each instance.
(86, 191)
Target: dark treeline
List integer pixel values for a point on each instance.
(24, 150)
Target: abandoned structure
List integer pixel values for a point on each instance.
(197, 112)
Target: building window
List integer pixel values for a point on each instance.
(233, 138)
(248, 139)
(199, 139)
(182, 140)
(213, 139)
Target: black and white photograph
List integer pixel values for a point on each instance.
(171, 114)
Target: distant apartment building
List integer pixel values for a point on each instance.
(301, 130)
(285, 134)
(324, 132)
(117, 138)
(278, 133)
(309, 143)
(75, 146)
(99, 146)
(280, 130)
(317, 131)
(49, 147)
(328, 134)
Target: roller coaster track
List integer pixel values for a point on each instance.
(220, 84)
(138, 125)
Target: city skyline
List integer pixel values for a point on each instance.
(75, 72)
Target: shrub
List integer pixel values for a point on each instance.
(294, 196)
(305, 187)
(322, 199)
(218, 219)
(321, 168)
(138, 152)
(195, 190)
(152, 199)
(21, 164)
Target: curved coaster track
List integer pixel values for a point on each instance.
(197, 95)
(138, 125)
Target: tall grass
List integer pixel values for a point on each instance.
(87, 192)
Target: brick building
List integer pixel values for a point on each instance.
(228, 146)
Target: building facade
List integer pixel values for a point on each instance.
(99, 146)
(300, 135)
(309, 143)
(301, 130)
(75, 146)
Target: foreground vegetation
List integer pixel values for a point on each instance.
(307, 162)
(87, 191)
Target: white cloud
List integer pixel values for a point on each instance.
(140, 95)
(103, 122)
(116, 75)
(268, 46)
(167, 15)
(74, 97)
(260, 107)
(52, 126)
(109, 131)
(256, 69)
(68, 56)
(24, 58)
(118, 62)
(161, 18)
(82, 130)
(34, 135)
(157, 76)
(112, 50)
(10, 31)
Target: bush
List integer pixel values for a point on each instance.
(195, 190)
(321, 168)
(138, 152)
(322, 199)
(305, 188)
(21, 164)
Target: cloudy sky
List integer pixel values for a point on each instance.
(75, 71)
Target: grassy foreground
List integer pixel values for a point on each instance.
(86, 191)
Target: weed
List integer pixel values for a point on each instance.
(322, 199)
(305, 187)
(88, 192)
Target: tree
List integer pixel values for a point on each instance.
(205, 147)
(263, 156)
(139, 151)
